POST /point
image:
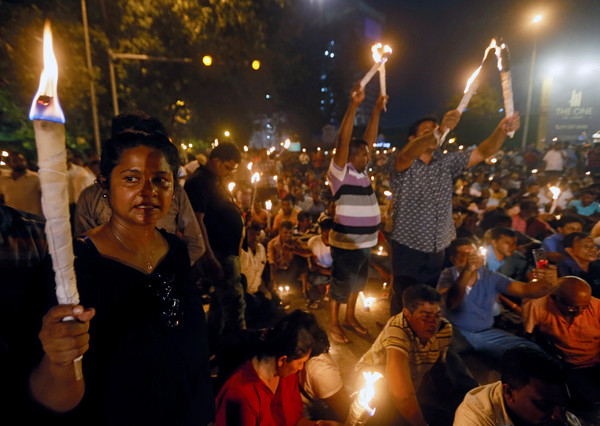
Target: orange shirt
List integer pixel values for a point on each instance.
(579, 341)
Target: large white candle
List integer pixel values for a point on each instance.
(49, 129)
(507, 92)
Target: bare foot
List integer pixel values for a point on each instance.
(337, 334)
(356, 327)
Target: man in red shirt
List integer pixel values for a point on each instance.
(569, 320)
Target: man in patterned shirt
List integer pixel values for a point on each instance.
(422, 186)
(411, 351)
(357, 217)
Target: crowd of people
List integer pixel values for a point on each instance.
(184, 271)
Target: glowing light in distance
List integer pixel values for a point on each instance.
(256, 65)
(207, 60)
(231, 185)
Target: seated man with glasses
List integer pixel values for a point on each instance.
(569, 320)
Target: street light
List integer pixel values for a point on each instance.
(226, 133)
(536, 19)
(207, 60)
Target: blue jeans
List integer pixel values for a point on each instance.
(492, 342)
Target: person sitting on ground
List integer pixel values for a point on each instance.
(259, 215)
(470, 290)
(305, 229)
(582, 261)
(323, 393)
(502, 255)
(569, 320)
(553, 245)
(287, 213)
(285, 255)
(412, 353)
(264, 390)
(253, 258)
(532, 391)
(317, 206)
(586, 205)
(528, 222)
(319, 276)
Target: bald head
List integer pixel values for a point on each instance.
(572, 293)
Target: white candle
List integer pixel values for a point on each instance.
(369, 75)
(507, 93)
(49, 129)
(382, 87)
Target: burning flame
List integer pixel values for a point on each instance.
(231, 186)
(250, 165)
(255, 177)
(555, 192)
(268, 205)
(367, 301)
(45, 105)
(478, 70)
(380, 51)
(482, 251)
(286, 144)
(367, 392)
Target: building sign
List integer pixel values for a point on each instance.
(574, 112)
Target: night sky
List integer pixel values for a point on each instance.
(439, 43)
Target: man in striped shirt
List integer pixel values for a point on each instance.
(357, 216)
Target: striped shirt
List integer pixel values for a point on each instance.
(398, 335)
(357, 216)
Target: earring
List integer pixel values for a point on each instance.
(104, 195)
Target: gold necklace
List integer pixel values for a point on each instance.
(146, 260)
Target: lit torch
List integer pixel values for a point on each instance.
(268, 205)
(254, 181)
(470, 89)
(555, 194)
(379, 51)
(387, 51)
(48, 125)
(361, 408)
(507, 93)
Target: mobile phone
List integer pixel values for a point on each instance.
(539, 257)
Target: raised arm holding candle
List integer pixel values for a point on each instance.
(422, 187)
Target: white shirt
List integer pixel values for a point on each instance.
(323, 378)
(320, 251)
(79, 178)
(554, 160)
(252, 266)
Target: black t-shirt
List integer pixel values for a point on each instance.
(222, 217)
(138, 370)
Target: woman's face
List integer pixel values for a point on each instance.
(285, 368)
(141, 186)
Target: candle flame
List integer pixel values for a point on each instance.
(367, 301)
(45, 105)
(250, 165)
(287, 143)
(482, 251)
(231, 186)
(255, 177)
(478, 70)
(387, 193)
(268, 205)
(380, 51)
(367, 392)
(555, 192)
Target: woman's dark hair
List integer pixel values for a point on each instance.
(290, 337)
(113, 149)
(320, 342)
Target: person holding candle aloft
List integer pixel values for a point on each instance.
(357, 218)
(422, 184)
(143, 331)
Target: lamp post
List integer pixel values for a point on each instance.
(535, 20)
